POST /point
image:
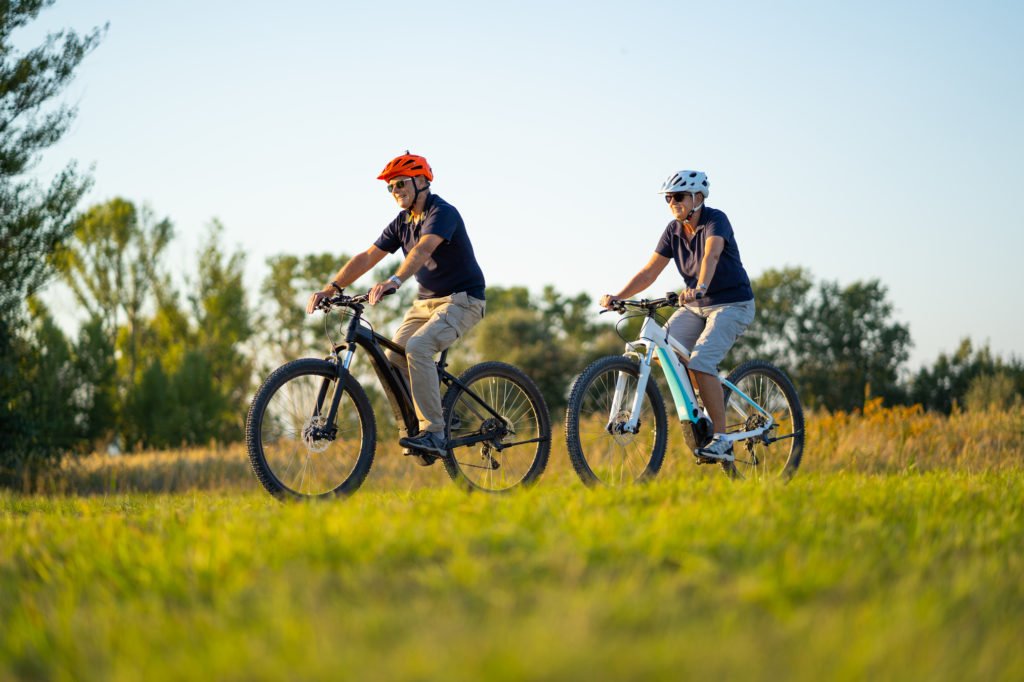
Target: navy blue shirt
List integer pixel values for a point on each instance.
(452, 267)
(730, 283)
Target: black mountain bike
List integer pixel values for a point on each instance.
(311, 432)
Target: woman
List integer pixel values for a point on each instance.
(718, 303)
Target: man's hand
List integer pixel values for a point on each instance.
(381, 289)
(315, 298)
(607, 301)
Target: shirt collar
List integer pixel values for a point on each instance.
(407, 215)
(701, 222)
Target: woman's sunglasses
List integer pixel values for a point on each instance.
(677, 197)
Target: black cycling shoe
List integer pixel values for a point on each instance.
(428, 441)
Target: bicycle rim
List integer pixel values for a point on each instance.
(598, 446)
(524, 447)
(756, 459)
(303, 465)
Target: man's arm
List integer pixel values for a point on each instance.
(415, 260)
(358, 266)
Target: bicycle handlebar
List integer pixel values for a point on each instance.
(343, 301)
(671, 300)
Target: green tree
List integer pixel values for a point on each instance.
(949, 380)
(112, 266)
(34, 221)
(848, 348)
(551, 340)
(782, 298)
(223, 328)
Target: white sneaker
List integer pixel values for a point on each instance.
(718, 449)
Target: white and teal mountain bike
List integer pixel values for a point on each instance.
(617, 431)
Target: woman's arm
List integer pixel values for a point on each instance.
(640, 281)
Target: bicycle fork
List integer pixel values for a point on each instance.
(321, 427)
(615, 425)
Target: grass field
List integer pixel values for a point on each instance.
(896, 553)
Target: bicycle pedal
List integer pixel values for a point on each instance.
(424, 459)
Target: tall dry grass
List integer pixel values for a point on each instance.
(875, 440)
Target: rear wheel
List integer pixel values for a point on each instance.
(518, 452)
(602, 451)
(777, 453)
(294, 453)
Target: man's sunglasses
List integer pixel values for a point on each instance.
(392, 186)
(677, 197)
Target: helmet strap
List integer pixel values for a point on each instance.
(416, 194)
(690, 214)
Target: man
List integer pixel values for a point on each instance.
(718, 300)
(438, 253)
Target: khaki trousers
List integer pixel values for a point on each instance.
(430, 326)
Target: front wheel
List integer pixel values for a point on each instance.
(603, 449)
(518, 417)
(293, 451)
(776, 453)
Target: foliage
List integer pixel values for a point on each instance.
(782, 299)
(551, 340)
(996, 391)
(112, 266)
(191, 386)
(948, 381)
(34, 221)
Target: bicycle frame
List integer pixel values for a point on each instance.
(655, 341)
(394, 384)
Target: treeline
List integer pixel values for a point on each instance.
(161, 360)
(158, 364)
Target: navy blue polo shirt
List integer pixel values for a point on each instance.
(452, 267)
(730, 283)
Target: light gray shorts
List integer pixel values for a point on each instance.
(710, 331)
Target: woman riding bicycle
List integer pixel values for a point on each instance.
(718, 302)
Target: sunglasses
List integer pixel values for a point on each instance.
(392, 186)
(677, 197)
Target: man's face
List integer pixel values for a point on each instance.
(402, 190)
(680, 203)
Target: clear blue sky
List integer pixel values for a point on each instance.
(860, 140)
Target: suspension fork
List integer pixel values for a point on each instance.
(641, 386)
(343, 369)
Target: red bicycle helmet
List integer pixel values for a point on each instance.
(408, 165)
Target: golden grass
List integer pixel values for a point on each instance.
(875, 440)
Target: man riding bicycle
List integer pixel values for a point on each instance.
(433, 238)
(718, 302)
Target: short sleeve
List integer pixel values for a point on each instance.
(664, 247)
(442, 222)
(719, 227)
(390, 239)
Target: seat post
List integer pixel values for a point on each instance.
(442, 361)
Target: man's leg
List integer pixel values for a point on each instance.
(414, 319)
(449, 322)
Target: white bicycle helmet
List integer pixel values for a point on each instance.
(686, 181)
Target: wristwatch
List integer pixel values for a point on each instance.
(396, 279)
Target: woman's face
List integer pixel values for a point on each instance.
(680, 203)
